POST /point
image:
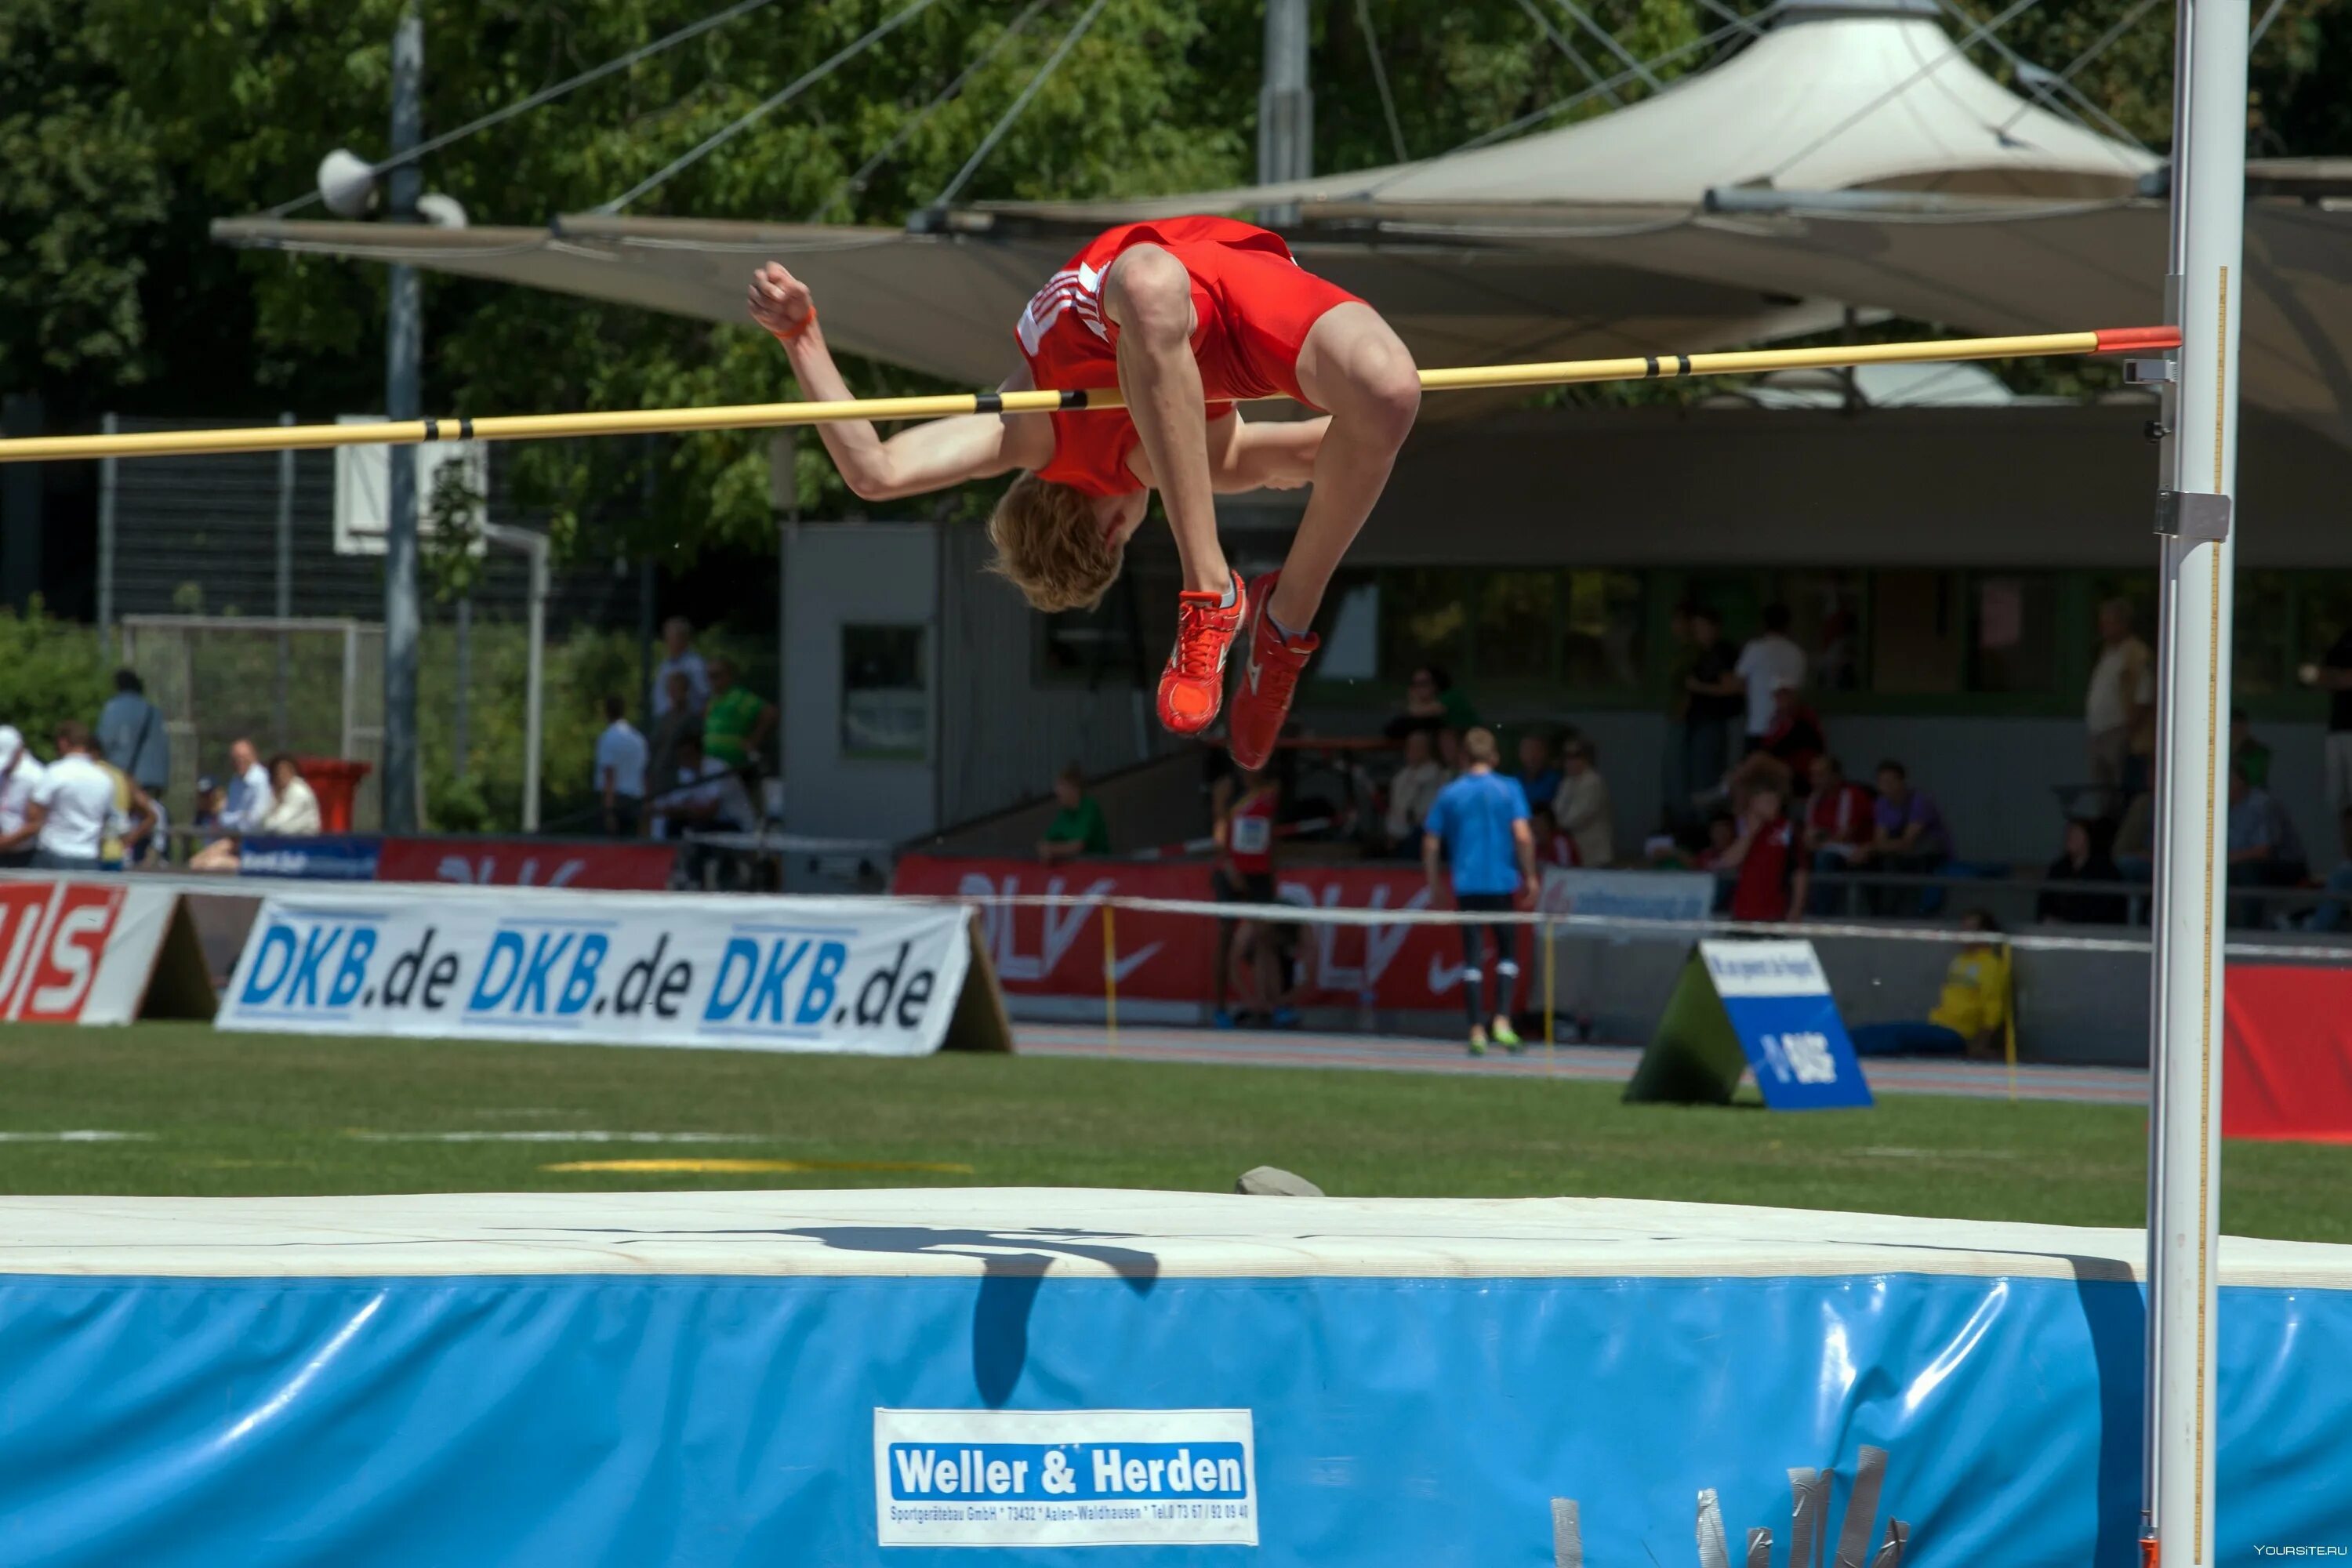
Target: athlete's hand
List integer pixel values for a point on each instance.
(780, 302)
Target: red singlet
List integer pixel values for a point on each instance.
(1253, 304)
(1249, 834)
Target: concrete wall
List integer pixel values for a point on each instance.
(1003, 732)
(883, 574)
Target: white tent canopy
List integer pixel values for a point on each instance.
(1877, 167)
(1833, 95)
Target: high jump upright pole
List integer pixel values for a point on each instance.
(2206, 289)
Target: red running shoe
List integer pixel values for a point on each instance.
(1264, 699)
(1193, 687)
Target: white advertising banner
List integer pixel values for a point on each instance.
(80, 952)
(1628, 895)
(863, 975)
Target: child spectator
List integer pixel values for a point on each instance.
(1553, 847)
(1772, 877)
(1078, 827)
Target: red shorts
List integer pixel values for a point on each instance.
(1252, 305)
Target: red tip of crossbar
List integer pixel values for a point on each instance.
(2119, 340)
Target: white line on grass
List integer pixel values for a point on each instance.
(79, 1135)
(551, 1136)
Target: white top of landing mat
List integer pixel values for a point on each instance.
(1066, 1232)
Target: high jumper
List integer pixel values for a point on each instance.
(1187, 316)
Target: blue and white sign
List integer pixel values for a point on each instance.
(1064, 1477)
(1779, 1002)
(866, 975)
(316, 857)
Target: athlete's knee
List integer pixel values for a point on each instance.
(1150, 294)
(1386, 390)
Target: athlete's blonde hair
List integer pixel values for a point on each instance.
(1050, 545)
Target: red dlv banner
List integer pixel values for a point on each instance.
(529, 863)
(2286, 1061)
(1057, 950)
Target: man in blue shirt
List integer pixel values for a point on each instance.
(1478, 825)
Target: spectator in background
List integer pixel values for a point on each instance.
(1794, 736)
(707, 796)
(1581, 805)
(1243, 874)
(249, 795)
(1768, 663)
(2135, 840)
(1538, 775)
(736, 722)
(211, 801)
(1973, 1017)
(1675, 786)
(1412, 789)
(1553, 847)
(1715, 703)
(132, 822)
(2120, 699)
(1449, 750)
(678, 719)
(2248, 751)
(1078, 827)
(294, 808)
(1478, 827)
(1909, 838)
(1431, 702)
(2082, 860)
(2333, 674)
(20, 770)
(1767, 854)
(1839, 822)
(678, 646)
(246, 805)
(131, 734)
(67, 816)
(1722, 833)
(621, 761)
(2265, 849)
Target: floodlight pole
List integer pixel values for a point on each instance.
(1286, 106)
(534, 700)
(2207, 287)
(404, 335)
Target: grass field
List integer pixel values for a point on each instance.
(220, 1114)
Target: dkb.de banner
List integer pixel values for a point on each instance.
(785, 974)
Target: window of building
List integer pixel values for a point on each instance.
(886, 692)
(2262, 663)
(1512, 637)
(2013, 632)
(1827, 613)
(1423, 619)
(1601, 644)
(1918, 637)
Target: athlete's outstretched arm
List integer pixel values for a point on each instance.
(936, 455)
(1264, 455)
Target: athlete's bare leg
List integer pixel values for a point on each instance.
(1149, 295)
(1354, 367)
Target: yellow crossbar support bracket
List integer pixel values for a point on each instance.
(768, 416)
